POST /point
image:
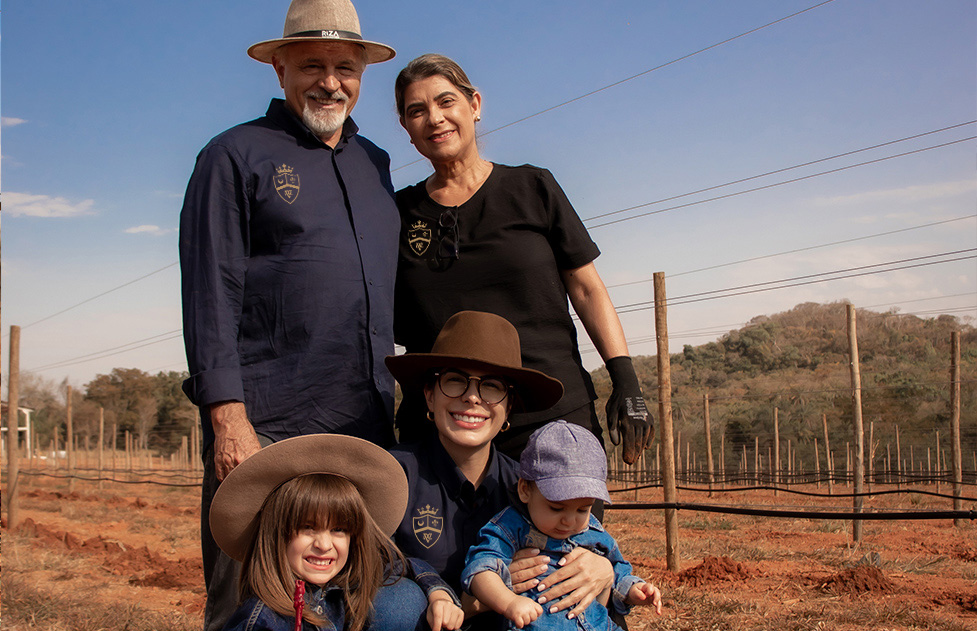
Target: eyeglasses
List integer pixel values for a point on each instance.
(448, 241)
(455, 384)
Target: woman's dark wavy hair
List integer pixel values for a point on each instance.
(431, 65)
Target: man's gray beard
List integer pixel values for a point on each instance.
(324, 124)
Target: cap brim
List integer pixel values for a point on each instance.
(375, 51)
(572, 488)
(376, 474)
(537, 390)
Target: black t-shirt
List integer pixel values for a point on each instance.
(515, 234)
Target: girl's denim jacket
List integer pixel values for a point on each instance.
(394, 597)
(511, 530)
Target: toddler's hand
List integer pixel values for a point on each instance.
(646, 594)
(521, 611)
(442, 613)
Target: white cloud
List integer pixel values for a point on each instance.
(924, 192)
(8, 121)
(156, 231)
(27, 205)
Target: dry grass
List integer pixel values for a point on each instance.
(56, 608)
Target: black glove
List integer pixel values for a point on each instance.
(626, 411)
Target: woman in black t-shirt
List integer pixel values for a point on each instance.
(489, 237)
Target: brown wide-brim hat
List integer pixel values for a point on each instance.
(377, 475)
(486, 342)
(321, 21)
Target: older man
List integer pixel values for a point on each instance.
(288, 246)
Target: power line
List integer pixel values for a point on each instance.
(796, 250)
(760, 287)
(776, 184)
(635, 76)
(790, 168)
(104, 293)
(125, 348)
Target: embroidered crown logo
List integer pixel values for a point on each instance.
(419, 237)
(427, 525)
(286, 183)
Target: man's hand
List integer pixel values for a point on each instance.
(645, 594)
(443, 613)
(626, 410)
(582, 577)
(234, 437)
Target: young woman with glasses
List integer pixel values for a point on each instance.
(471, 381)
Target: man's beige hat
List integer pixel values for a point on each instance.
(321, 21)
(234, 513)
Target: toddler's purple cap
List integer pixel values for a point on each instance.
(566, 462)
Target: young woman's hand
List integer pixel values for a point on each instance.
(527, 564)
(443, 613)
(582, 577)
(645, 594)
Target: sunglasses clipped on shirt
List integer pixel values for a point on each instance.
(448, 231)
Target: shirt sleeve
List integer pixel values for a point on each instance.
(429, 580)
(492, 553)
(214, 251)
(571, 243)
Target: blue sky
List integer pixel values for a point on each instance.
(106, 104)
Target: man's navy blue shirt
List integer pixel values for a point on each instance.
(444, 510)
(288, 250)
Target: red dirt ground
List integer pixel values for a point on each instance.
(738, 572)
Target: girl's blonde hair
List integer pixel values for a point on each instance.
(327, 501)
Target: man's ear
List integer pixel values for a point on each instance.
(279, 67)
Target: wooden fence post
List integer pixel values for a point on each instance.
(898, 460)
(13, 423)
(817, 463)
(775, 465)
(955, 425)
(856, 387)
(101, 445)
(705, 420)
(69, 442)
(665, 414)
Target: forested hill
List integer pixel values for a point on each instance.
(797, 361)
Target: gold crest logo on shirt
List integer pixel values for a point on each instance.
(287, 183)
(428, 526)
(419, 237)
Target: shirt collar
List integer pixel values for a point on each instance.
(454, 480)
(280, 113)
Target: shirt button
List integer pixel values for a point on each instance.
(361, 237)
(374, 330)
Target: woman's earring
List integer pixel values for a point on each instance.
(430, 416)
(477, 118)
(505, 426)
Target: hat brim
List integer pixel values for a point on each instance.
(537, 390)
(375, 51)
(376, 474)
(572, 488)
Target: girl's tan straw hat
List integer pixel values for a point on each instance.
(376, 474)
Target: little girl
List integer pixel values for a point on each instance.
(319, 509)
